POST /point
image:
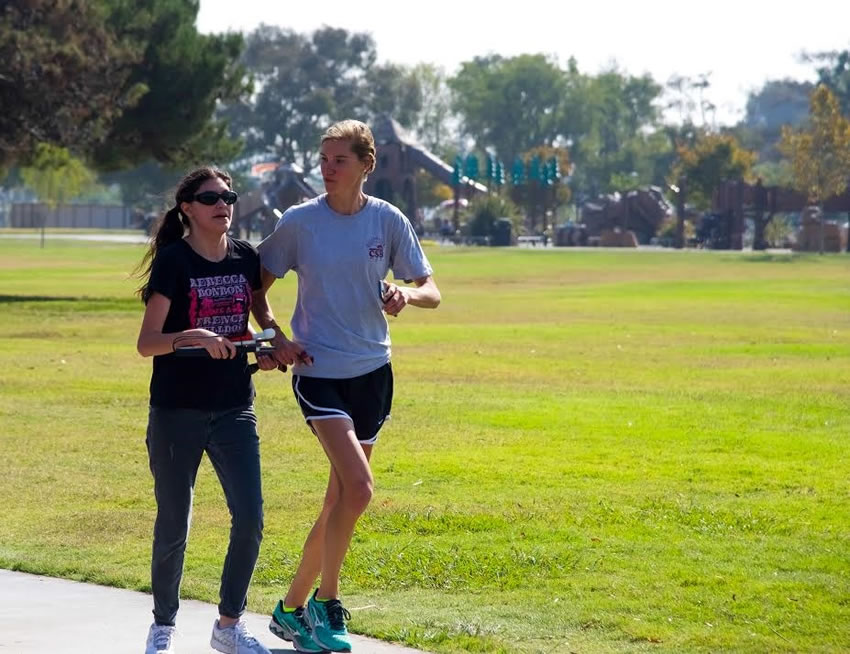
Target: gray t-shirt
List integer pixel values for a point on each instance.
(340, 261)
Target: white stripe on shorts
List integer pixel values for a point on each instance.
(338, 413)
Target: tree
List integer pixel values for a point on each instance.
(701, 167)
(303, 83)
(687, 96)
(185, 75)
(436, 126)
(55, 176)
(777, 103)
(485, 210)
(64, 76)
(775, 173)
(431, 192)
(393, 90)
(511, 104)
(143, 186)
(834, 72)
(116, 81)
(540, 190)
(711, 160)
(611, 122)
(820, 154)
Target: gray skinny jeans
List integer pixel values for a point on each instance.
(176, 441)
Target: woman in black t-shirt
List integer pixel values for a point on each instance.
(199, 287)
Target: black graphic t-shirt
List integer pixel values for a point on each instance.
(206, 295)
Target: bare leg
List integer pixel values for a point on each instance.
(356, 484)
(310, 565)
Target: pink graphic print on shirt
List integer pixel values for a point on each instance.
(220, 303)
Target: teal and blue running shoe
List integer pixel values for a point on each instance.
(327, 620)
(291, 626)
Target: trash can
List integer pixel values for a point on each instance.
(562, 235)
(501, 232)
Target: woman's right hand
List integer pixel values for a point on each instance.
(218, 347)
(289, 352)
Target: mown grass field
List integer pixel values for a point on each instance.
(590, 451)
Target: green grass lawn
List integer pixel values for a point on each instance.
(590, 451)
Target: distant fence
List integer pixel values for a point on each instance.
(95, 216)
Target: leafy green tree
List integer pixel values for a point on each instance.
(185, 75)
(510, 104)
(612, 122)
(339, 62)
(117, 81)
(64, 77)
(688, 97)
(430, 191)
(280, 115)
(55, 176)
(775, 173)
(303, 84)
(834, 72)
(777, 103)
(537, 191)
(820, 153)
(711, 160)
(436, 124)
(484, 210)
(145, 186)
(704, 160)
(609, 122)
(393, 90)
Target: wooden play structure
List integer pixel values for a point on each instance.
(735, 201)
(399, 157)
(626, 219)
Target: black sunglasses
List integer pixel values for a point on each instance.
(210, 198)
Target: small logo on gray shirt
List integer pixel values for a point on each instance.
(376, 249)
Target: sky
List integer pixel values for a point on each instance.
(740, 44)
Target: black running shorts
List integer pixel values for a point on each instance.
(365, 400)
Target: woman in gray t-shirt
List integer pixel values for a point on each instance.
(341, 246)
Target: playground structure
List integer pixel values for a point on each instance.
(735, 201)
(817, 234)
(626, 219)
(399, 157)
(255, 210)
(616, 219)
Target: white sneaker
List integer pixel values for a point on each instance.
(236, 640)
(160, 639)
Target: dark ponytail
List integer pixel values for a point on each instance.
(173, 225)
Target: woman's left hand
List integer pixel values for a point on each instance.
(267, 362)
(395, 299)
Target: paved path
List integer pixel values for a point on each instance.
(43, 615)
